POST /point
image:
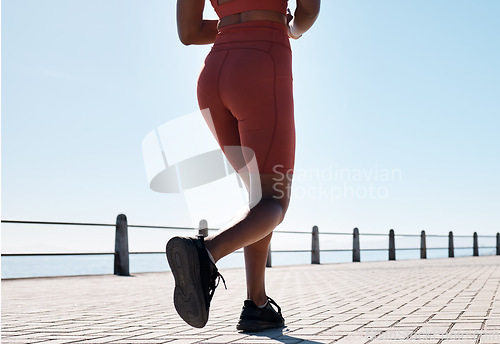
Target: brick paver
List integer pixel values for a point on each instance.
(435, 301)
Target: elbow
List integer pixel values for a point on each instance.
(185, 38)
(188, 35)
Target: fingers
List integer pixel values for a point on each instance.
(289, 16)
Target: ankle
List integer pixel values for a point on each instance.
(263, 305)
(259, 301)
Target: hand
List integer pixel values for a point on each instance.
(289, 17)
(289, 22)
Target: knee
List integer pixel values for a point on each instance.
(281, 205)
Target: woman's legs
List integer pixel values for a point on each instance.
(246, 84)
(255, 267)
(253, 232)
(258, 222)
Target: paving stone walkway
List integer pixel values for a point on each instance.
(434, 301)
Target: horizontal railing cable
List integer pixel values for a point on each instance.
(274, 251)
(57, 254)
(121, 252)
(96, 224)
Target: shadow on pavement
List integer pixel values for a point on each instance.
(280, 335)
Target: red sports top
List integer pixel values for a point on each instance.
(237, 6)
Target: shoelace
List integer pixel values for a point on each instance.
(271, 301)
(214, 283)
(216, 276)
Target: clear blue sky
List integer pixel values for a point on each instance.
(410, 87)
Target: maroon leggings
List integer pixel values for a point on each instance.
(246, 83)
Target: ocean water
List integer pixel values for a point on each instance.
(45, 266)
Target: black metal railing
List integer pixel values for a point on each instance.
(121, 253)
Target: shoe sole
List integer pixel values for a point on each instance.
(189, 300)
(256, 325)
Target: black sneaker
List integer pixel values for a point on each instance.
(196, 278)
(255, 319)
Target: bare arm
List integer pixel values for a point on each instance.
(191, 26)
(305, 15)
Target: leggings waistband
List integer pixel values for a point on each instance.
(259, 30)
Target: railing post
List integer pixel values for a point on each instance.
(315, 246)
(269, 263)
(423, 246)
(475, 248)
(121, 247)
(203, 228)
(498, 244)
(451, 247)
(356, 256)
(392, 245)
